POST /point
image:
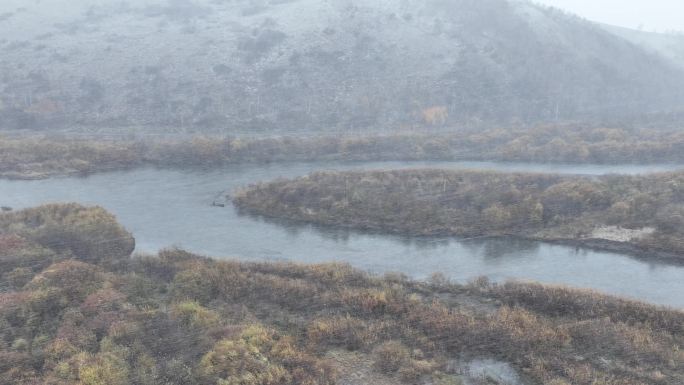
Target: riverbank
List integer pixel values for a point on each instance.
(642, 215)
(632, 250)
(75, 312)
(625, 248)
(210, 230)
(41, 157)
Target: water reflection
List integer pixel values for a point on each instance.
(491, 249)
(494, 250)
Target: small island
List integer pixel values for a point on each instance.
(639, 214)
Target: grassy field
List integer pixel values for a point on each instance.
(75, 312)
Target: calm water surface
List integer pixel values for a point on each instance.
(164, 208)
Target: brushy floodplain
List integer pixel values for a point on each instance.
(637, 213)
(40, 157)
(76, 308)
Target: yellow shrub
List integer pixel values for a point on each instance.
(105, 369)
(192, 314)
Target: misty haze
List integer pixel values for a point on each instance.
(320, 192)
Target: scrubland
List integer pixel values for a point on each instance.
(40, 157)
(637, 213)
(77, 308)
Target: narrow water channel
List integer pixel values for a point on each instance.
(165, 208)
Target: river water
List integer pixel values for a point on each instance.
(165, 208)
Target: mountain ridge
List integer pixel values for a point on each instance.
(311, 64)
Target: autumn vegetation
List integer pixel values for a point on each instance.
(39, 157)
(643, 212)
(73, 312)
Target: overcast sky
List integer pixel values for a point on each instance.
(660, 15)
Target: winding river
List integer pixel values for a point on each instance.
(165, 208)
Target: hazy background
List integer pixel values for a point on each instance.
(650, 15)
(349, 66)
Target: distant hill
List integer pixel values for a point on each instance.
(668, 45)
(317, 64)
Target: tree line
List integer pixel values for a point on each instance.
(40, 157)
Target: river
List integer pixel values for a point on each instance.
(165, 208)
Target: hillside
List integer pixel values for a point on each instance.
(313, 64)
(669, 45)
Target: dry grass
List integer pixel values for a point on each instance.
(180, 317)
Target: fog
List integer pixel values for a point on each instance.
(655, 15)
(307, 66)
(341, 192)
